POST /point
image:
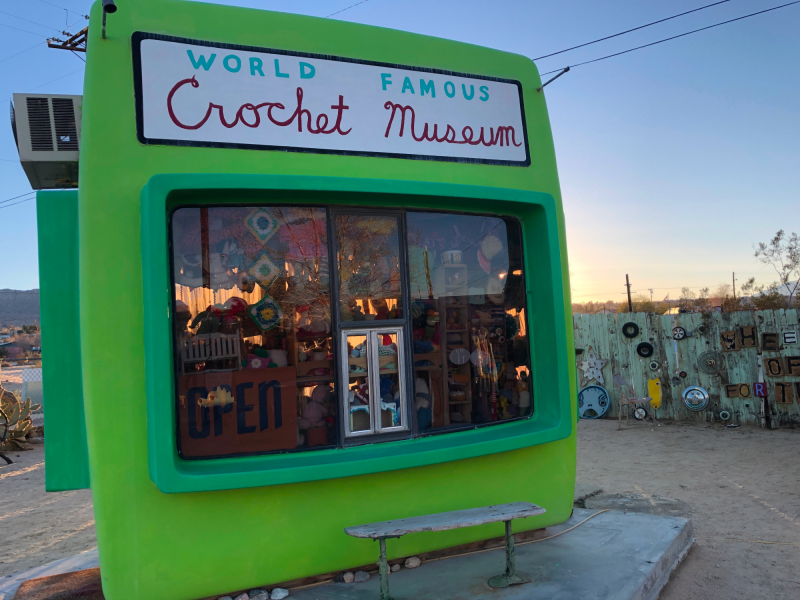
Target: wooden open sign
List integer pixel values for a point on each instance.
(237, 412)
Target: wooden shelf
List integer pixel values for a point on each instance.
(428, 368)
(454, 402)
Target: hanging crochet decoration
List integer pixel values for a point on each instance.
(263, 270)
(592, 367)
(262, 224)
(266, 313)
(490, 247)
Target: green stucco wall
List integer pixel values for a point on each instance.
(191, 545)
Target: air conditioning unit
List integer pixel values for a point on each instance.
(47, 130)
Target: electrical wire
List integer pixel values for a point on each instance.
(760, 12)
(348, 8)
(15, 197)
(29, 21)
(22, 52)
(608, 37)
(15, 203)
(22, 30)
(57, 6)
(62, 77)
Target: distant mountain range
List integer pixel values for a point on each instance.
(19, 307)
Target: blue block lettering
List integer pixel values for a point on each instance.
(201, 62)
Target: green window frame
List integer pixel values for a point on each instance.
(547, 320)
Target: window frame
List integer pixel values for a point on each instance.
(338, 326)
(550, 421)
(376, 432)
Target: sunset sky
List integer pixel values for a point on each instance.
(674, 160)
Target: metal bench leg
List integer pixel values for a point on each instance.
(510, 577)
(383, 568)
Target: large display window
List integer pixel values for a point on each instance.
(305, 328)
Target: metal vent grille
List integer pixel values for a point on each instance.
(39, 124)
(64, 117)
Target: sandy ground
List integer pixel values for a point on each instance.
(37, 527)
(742, 484)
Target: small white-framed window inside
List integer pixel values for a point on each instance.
(374, 369)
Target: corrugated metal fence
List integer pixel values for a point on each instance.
(719, 350)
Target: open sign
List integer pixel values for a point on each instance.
(237, 412)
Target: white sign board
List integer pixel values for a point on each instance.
(197, 93)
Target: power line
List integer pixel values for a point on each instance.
(674, 287)
(676, 36)
(348, 8)
(15, 197)
(18, 53)
(57, 6)
(29, 21)
(23, 30)
(608, 37)
(73, 73)
(15, 203)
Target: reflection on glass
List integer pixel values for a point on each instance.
(358, 396)
(471, 358)
(389, 374)
(369, 267)
(253, 347)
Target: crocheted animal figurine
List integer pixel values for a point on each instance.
(218, 397)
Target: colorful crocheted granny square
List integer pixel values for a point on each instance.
(262, 224)
(264, 270)
(266, 313)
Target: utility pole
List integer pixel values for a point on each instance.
(734, 284)
(628, 285)
(651, 294)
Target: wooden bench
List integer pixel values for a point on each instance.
(450, 520)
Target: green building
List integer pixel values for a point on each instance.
(322, 280)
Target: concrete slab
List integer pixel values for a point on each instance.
(615, 555)
(79, 562)
(584, 491)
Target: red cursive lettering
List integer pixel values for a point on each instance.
(505, 135)
(299, 114)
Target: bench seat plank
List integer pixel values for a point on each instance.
(447, 520)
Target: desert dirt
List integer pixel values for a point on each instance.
(36, 526)
(743, 486)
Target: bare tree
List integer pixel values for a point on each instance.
(782, 253)
(762, 297)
